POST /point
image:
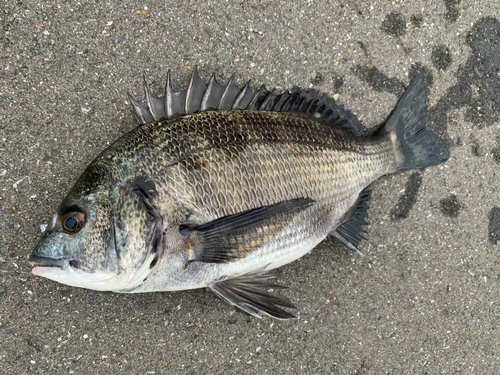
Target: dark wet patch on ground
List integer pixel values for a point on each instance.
(480, 72)
(494, 225)
(452, 12)
(394, 24)
(378, 80)
(450, 206)
(338, 82)
(381, 82)
(441, 57)
(417, 20)
(418, 68)
(408, 199)
(476, 148)
(484, 39)
(496, 153)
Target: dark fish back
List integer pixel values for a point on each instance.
(223, 162)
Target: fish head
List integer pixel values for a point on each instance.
(96, 241)
(78, 247)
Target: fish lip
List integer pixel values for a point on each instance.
(47, 262)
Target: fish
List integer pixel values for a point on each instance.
(218, 185)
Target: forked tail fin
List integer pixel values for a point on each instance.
(418, 146)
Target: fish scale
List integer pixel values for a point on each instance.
(276, 160)
(218, 185)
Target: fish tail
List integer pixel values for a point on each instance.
(417, 146)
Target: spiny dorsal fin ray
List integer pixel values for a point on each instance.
(270, 101)
(174, 101)
(195, 92)
(230, 94)
(287, 106)
(278, 107)
(156, 105)
(250, 293)
(258, 99)
(244, 98)
(198, 98)
(213, 95)
(141, 113)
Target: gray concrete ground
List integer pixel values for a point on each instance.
(424, 299)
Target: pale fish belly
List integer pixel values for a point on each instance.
(298, 238)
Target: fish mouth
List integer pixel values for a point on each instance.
(47, 262)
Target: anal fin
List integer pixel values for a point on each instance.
(349, 233)
(250, 293)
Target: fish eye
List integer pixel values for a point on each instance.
(72, 222)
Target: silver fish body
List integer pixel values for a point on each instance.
(250, 182)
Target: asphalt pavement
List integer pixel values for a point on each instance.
(423, 298)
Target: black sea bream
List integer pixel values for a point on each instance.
(218, 185)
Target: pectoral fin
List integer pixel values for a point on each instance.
(236, 236)
(250, 292)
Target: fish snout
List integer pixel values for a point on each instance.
(39, 261)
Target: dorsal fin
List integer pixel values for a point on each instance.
(198, 98)
(213, 95)
(244, 98)
(174, 101)
(156, 105)
(231, 91)
(195, 93)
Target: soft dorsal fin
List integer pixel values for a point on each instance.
(198, 98)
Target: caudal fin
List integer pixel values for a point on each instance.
(419, 147)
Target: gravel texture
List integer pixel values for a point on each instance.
(423, 299)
